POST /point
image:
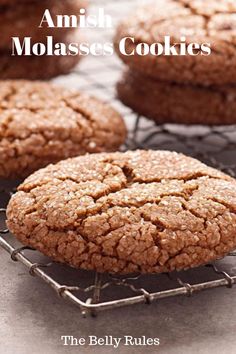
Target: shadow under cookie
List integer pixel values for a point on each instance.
(166, 102)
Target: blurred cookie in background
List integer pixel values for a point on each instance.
(178, 103)
(41, 123)
(39, 67)
(175, 88)
(22, 19)
(34, 68)
(13, 2)
(189, 22)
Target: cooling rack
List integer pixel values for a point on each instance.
(216, 146)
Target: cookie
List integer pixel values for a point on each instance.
(42, 67)
(23, 20)
(199, 21)
(175, 103)
(14, 2)
(142, 211)
(41, 123)
(36, 68)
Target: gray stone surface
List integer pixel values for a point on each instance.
(33, 319)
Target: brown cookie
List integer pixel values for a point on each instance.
(142, 211)
(23, 20)
(199, 21)
(14, 2)
(166, 102)
(34, 67)
(41, 123)
(39, 67)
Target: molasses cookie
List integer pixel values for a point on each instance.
(41, 123)
(175, 103)
(13, 2)
(36, 67)
(211, 22)
(42, 67)
(10, 2)
(23, 20)
(142, 211)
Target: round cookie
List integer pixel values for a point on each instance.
(36, 67)
(23, 20)
(166, 102)
(142, 211)
(41, 123)
(13, 2)
(200, 21)
(39, 67)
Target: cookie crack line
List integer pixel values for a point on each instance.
(194, 11)
(104, 208)
(130, 182)
(207, 26)
(72, 124)
(138, 40)
(156, 241)
(186, 219)
(17, 155)
(130, 179)
(84, 141)
(206, 18)
(8, 96)
(78, 110)
(88, 117)
(226, 205)
(41, 131)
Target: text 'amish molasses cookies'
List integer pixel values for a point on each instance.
(41, 123)
(196, 23)
(166, 102)
(140, 211)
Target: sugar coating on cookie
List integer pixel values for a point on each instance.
(199, 21)
(41, 123)
(141, 211)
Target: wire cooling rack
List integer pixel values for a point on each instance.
(93, 292)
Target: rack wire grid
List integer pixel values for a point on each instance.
(93, 292)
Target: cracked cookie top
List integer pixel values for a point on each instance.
(41, 123)
(200, 21)
(142, 211)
